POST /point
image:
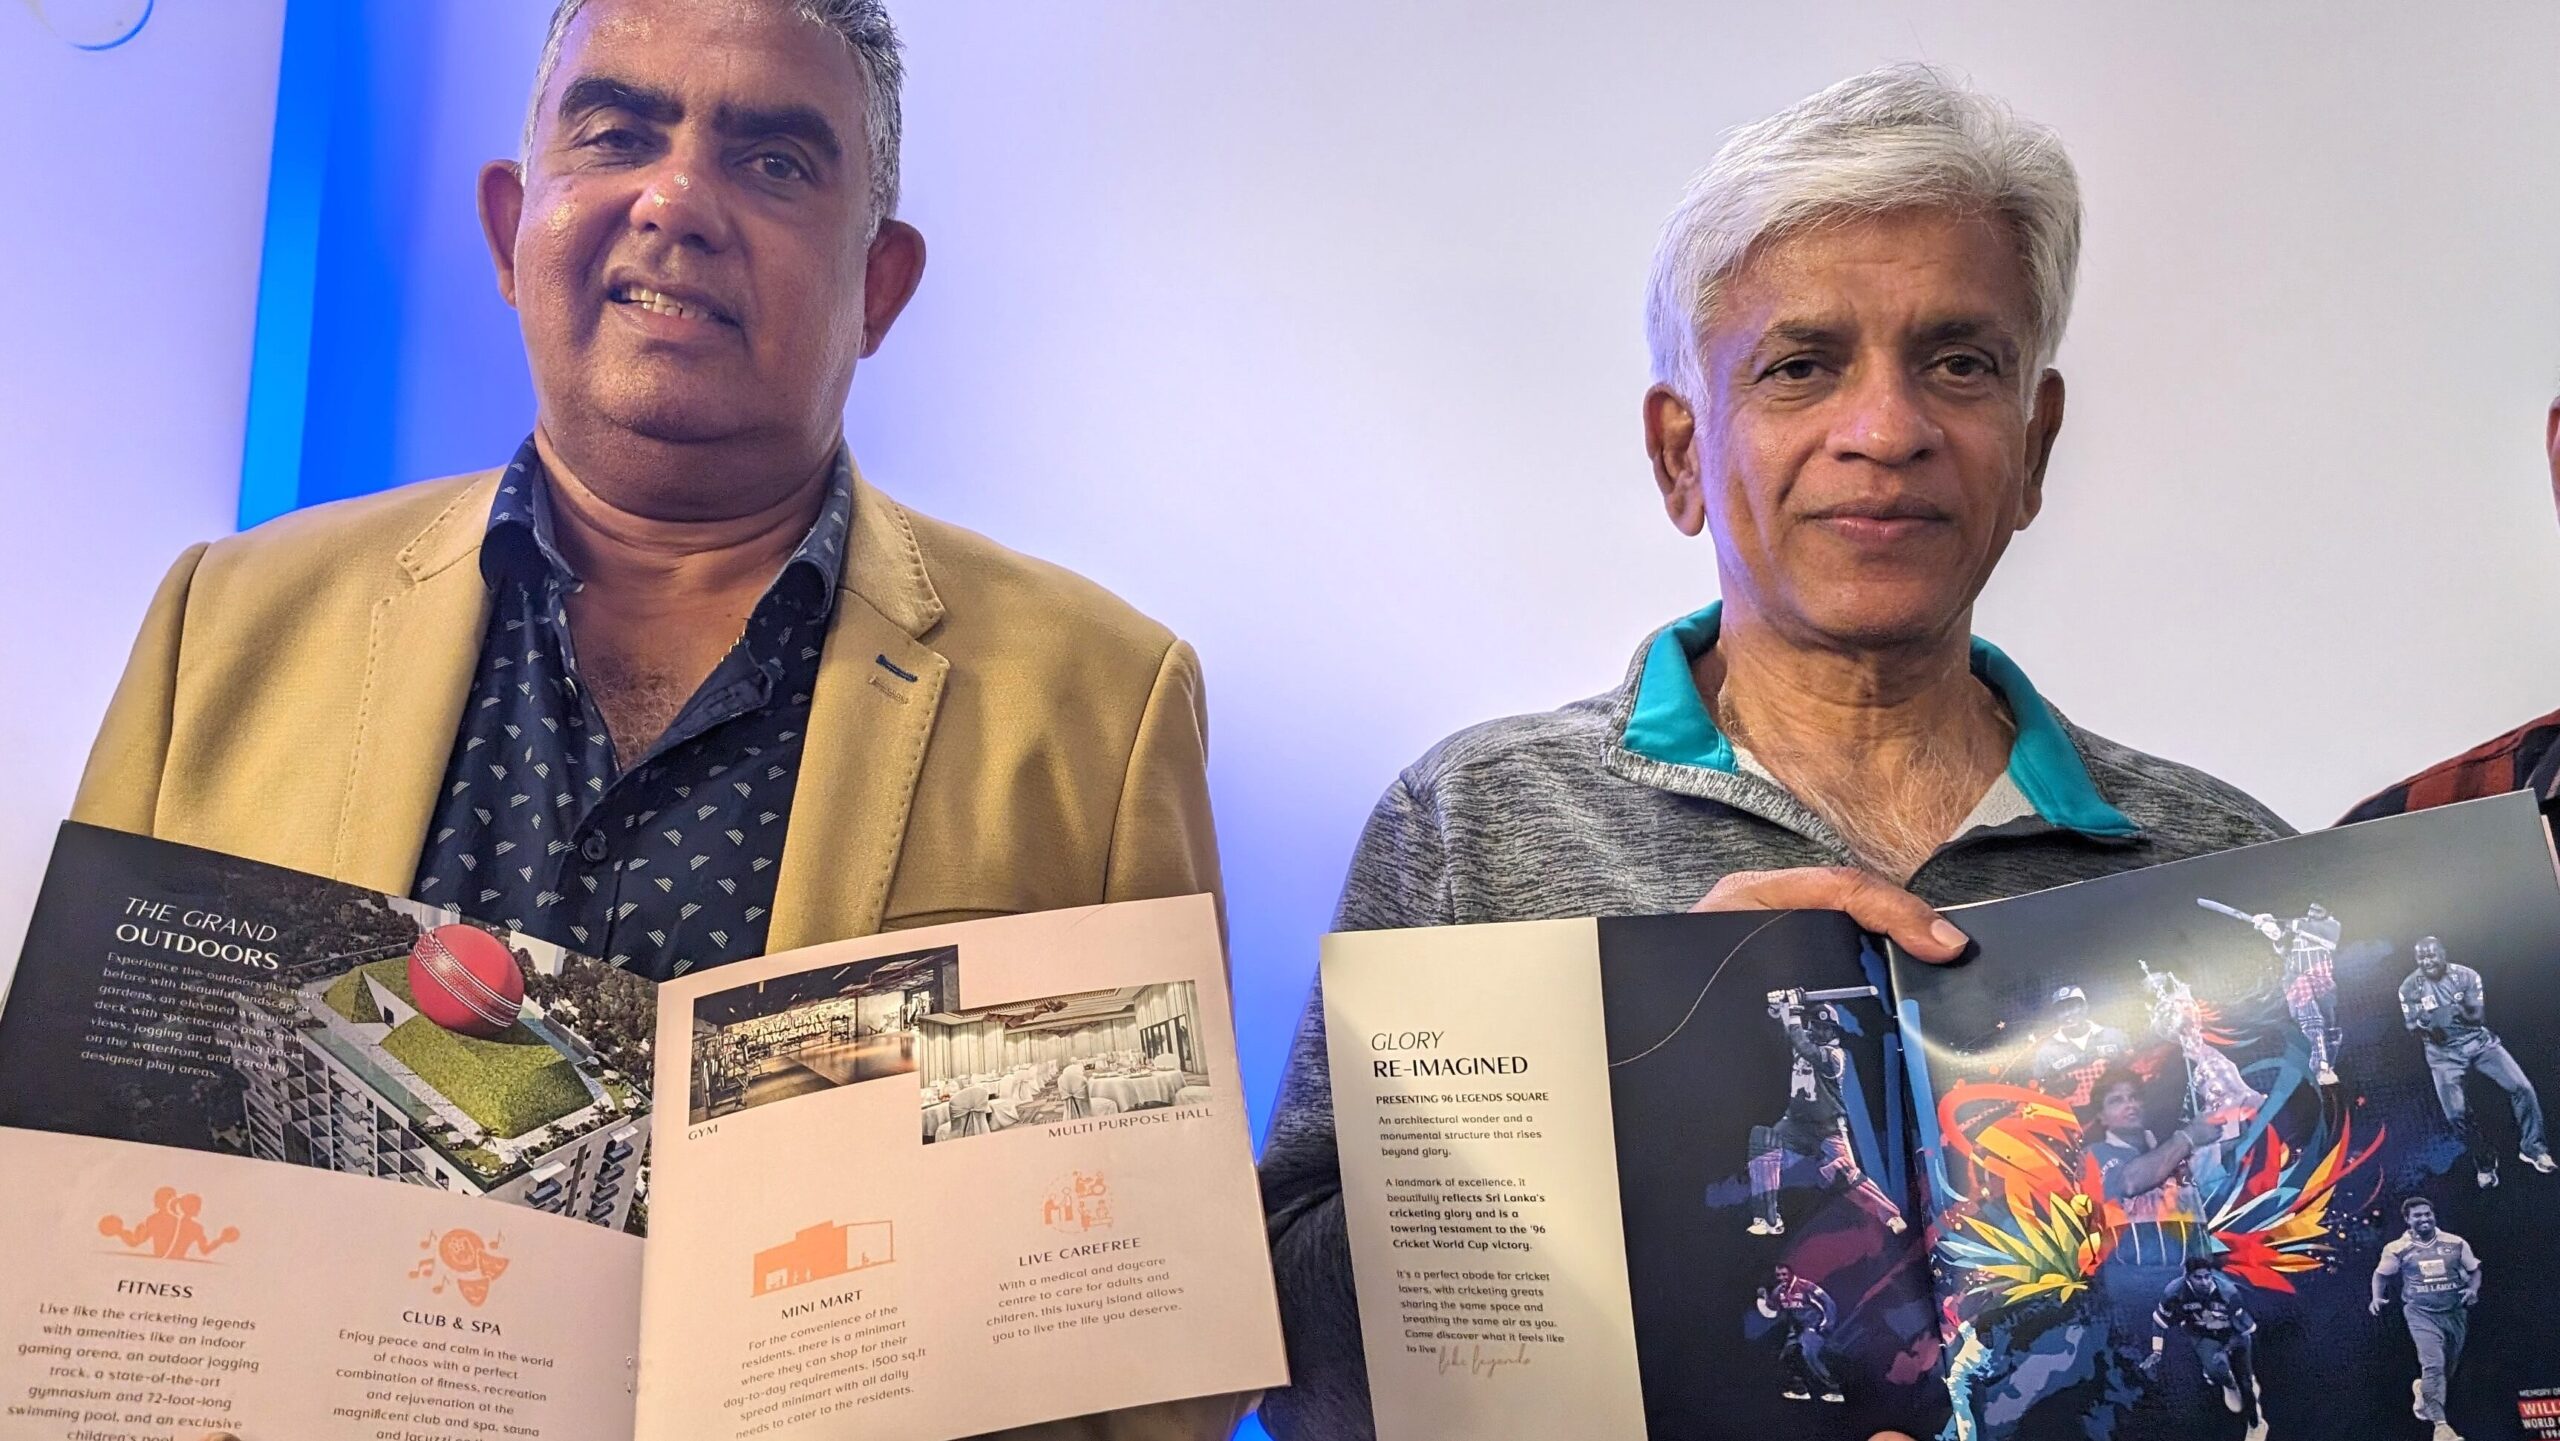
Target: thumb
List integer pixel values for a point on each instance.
(1874, 904)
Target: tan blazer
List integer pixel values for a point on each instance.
(990, 734)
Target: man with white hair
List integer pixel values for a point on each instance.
(1854, 314)
(677, 686)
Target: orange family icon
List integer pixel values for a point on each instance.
(171, 1231)
(1077, 1201)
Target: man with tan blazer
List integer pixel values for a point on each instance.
(677, 685)
(296, 689)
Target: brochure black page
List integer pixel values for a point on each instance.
(1778, 1276)
(2253, 1145)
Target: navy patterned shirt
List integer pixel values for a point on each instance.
(663, 863)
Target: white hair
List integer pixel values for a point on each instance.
(863, 26)
(1901, 138)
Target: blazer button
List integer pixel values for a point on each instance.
(593, 848)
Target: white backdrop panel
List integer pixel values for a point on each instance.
(138, 184)
(1314, 330)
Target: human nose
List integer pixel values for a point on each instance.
(1884, 419)
(680, 199)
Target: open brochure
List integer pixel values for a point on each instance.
(2248, 1146)
(281, 1157)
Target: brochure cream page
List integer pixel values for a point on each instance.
(1479, 1180)
(946, 1181)
(152, 1293)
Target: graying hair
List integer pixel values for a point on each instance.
(864, 27)
(1901, 138)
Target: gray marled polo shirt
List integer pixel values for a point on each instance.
(1634, 803)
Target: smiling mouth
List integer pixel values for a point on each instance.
(660, 303)
(1865, 526)
(1882, 511)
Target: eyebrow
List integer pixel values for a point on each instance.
(1985, 332)
(1814, 335)
(591, 93)
(787, 122)
(1799, 333)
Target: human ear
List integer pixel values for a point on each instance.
(2043, 424)
(501, 208)
(2551, 443)
(891, 273)
(1670, 438)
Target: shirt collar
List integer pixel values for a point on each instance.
(1669, 723)
(521, 545)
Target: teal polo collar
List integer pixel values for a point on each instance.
(1670, 723)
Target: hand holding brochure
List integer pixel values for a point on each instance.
(283, 1157)
(2243, 1147)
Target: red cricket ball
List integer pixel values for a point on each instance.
(466, 980)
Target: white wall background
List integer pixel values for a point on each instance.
(1314, 330)
(135, 182)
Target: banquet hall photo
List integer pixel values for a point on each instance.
(1060, 1058)
(815, 1030)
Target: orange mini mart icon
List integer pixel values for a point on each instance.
(825, 1250)
(171, 1230)
(1078, 1201)
(462, 1259)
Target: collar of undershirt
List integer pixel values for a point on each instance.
(1668, 723)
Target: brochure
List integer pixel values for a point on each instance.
(281, 1157)
(2247, 1146)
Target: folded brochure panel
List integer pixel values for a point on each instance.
(279, 1155)
(2248, 1145)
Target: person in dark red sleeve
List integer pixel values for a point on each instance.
(2526, 758)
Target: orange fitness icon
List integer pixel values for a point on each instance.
(463, 1259)
(171, 1230)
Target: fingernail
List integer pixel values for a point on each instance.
(1948, 936)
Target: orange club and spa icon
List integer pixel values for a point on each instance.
(1077, 1202)
(462, 1259)
(823, 1252)
(172, 1230)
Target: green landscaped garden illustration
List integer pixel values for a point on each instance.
(510, 1085)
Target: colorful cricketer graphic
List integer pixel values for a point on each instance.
(2308, 946)
(2077, 1231)
(2069, 1062)
(2176, 1181)
(2447, 1005)
(1761, 1121)
(2216, 1095)
(2209, 1309)
(1805, 1315)
(2439, 1283)
(2055, 1238)
(1813, 1134)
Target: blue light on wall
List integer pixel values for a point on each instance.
(297, 188)
(377, 359)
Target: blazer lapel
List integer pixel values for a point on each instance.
(879, 687)
(419, 659)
